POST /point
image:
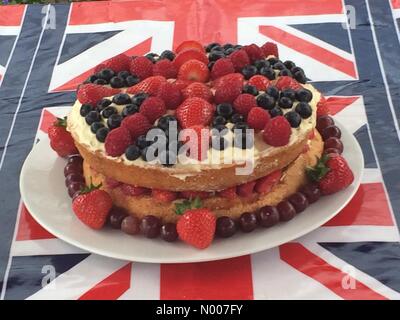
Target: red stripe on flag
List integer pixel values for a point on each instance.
(310, 49)
(47, 120)
(112, 287)
(331, 277)
(337, 104)
(11, 15)
(140, 49)
(223, 279)
(396, 4)
(29, 229)
(369, 206)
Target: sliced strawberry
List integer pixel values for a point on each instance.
(229, 193)
(266, 183)
(164, 195)
(190, 54)
(92, 93)
(246, 189)
(190, 45)
(133, 191)
(194, 70)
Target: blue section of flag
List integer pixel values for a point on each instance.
(6, 44)
(366, 146)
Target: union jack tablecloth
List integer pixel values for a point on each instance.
(348, 48)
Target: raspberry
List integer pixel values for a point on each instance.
(150, 86)
(254, 52)
(92, 93)
(141, 67)
(277, 132)
(197, 89)
(194, 70)
(286, 82)
(117, 141)
(153, 108)
(260, 82)
(137, 124)
(165, 68)
(118, 63)
(239, 59)
(228, 87)
(270, 49)
(170, 94)
(229, 193)
(258, 118)
(244, 103)
(221, 68)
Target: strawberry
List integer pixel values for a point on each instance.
(194, 111)
(150, 86)
(153, 108)
(118, 63)
(197, 225)
(239, 59)
(165, 68)
(197, 89)
(195, 194)
(194, 70)
(189, 44)
(244, 103)
(322, 107)
(257, 118)
(260, 82)
(229, 193)
(187, 55)
(170, 94)
(254, 52)
(286, 82)
(141, 67)
(270, 49)
(112, 183)
(90, 93)
(92, 206)
(164, 195)
(117, 141)
(137, 125)
(221, 68)
(227, 88)
(133, 191)
(99, 67)
(182, 84)
(265, 184)
(332, 173)
(198, 141)
(60, 139)
(277, 132)
(246, 189)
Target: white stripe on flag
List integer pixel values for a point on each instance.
(275, 279)
(353, 116)
(371, 175)
(9, 30)
(43, 247)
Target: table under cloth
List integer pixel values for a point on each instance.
(349, 49)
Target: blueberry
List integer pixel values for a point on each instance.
(265, 101)
(241, 127)
(117, 82)
(167, 54)
(132, 152)
(217, 48)
(164, 121)
(222, 129)
(85, 109)
(106, 74)
(225, 109)
(289, 64)
(285, 102)
(304, 95)
(107, 112)
(237, 47)
(129, 109)
(121, 98)
(149, 153)
(218, 120)
(268, 72)
(289, 93)
(293, 118)
(141, 142)
(285, 73)
(300, 77)
(131, 80)
(279, 66)
(103, 103)
(92, 116)
(92, 78)
(295, 69)
(102, 133)
(227, 52)
(273, 92)
(139, 98)
(248, 88)
(236, 118)
(215, 55)
(227, 46)
(304, 110)
(276, 111)
(219, 143)
(211, 65)
(211, 45)
(167, 158)
(114, 121)
(259, 64)
(273, 60)
(100, 82)
(123, 74)
(249, 71)
(96, 126)
(244, 141)
(152, 57)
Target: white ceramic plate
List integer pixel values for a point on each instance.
(45, 196)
